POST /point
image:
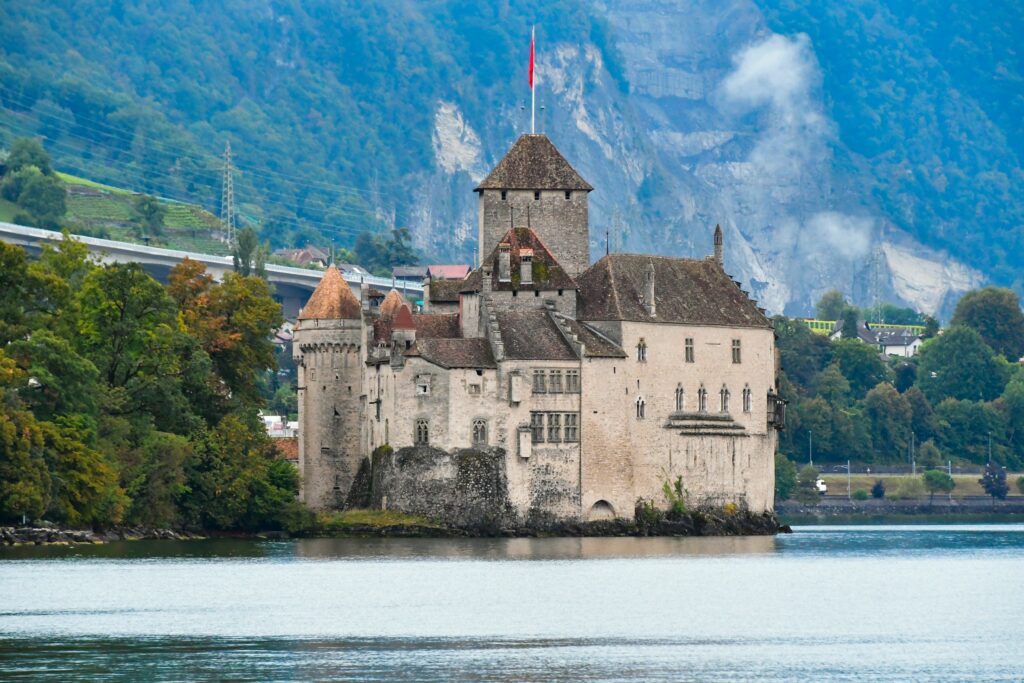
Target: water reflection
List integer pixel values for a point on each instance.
(498, 549)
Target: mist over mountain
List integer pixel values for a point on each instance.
(863, 145)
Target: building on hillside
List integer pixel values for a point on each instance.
(891, 340)
(308, 256)
(447, 272)
(539, 387)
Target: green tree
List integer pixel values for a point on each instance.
(878, 490)
(889, 415)
(249, 256)
(28, 152)
(831, 385)
(851, 323)
(64, 382)
(148, 216)
(965, 428)
(937, 481)
(931, 327)
(1020, 485)
(922, 421)
(993, 480)
(861, 364)
(785, 477)
(995, 314)
(24, 476)
(85, 487)
(154, 479)
(959, 364)
(802, 352)
(806, 491)
(929, 455)
(45, 200)
(831, 305)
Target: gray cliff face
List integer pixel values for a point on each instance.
(724, 122)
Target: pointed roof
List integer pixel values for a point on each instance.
(392, 302)
(534, 163)
(332, 299)
(403, 319)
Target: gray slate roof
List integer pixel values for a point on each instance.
(686, 291)
(454, 353)
(532, 335)
(534, 163)
(548, 274)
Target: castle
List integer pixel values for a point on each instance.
(540, 387)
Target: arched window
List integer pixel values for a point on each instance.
(641, 408)
(702, 399)
(724, 396)
(479, 432)
(422, 432)
(680, 403)
(641, 351)
(747, 399)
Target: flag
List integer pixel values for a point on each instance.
(532, 31)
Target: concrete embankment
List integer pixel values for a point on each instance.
(837, 506)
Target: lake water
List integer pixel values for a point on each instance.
(914, 603)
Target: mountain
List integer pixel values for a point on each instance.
(863, 145)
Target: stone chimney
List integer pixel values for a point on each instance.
(718, 246)
(648, 293)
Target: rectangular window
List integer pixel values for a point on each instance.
(537, 427)
(555, 382)
(689, 349)
(539, 385)
(504, 195)
(312, 373)
(572, 381)
(735, 350)
(536, 195)
(554, 427)
(568, 195)
(572, 429)
(474, 389)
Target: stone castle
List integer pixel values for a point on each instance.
(540, 388)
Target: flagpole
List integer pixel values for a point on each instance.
(533, 89)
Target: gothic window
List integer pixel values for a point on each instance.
(679, 397)
(641, 351)
(572, 381)
(554, 427)
(641, 408)
(572, 427)
(689, 349)
(555, 382)
(735, 350)
(539, 384)
(747, 399)
(479, 432)
(702, 399)
(537, 427)
(724, 397)
(422, 432)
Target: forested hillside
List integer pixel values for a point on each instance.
(863, 145)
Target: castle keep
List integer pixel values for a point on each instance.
(540, 388)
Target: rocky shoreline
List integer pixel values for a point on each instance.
(51, 535)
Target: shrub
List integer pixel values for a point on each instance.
(909, 488)
(675, 496)
(731, 509)
(878, 490)
(806, 486)
(1020, 485)
(785, 477)
(860, 494)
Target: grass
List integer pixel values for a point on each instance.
(75, 180)
(966, 484)
(347, 519)
(8, 210)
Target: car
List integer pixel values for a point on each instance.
(821, 486)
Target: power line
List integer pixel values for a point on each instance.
(227, 200)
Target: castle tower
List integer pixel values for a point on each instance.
(719, 256)
(327, 348)
(534, 186)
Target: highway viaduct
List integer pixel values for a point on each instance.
(292, 286)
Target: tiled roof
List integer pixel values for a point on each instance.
(548, 275)
(532, 335)
(448, 272)
(534, 163)
(392, 302)
(454, 353)
(437, 325)
(595, 344)
(409, 272)
(403, 319)
(331, 300)
(288, 448)
(689, 291)
(445, 291)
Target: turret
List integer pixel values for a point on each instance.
(718, 246)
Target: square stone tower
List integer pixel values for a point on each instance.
(533, 186)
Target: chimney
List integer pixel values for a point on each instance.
(718, 246)
(648, 293)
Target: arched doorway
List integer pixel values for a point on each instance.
(601, 510)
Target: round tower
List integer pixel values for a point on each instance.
(327, 348)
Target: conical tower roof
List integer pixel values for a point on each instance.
(534, 163)
(392, 302)
(332, 300)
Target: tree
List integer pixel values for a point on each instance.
(878, 490)
(889, 416)
(831, 305)
(993, 480)
(1020, 485)
(148, 216)
(831, 385)
(44, 198)
(929, 455)
(807, 486)
(64, 382)
(28, 152)
(785, 477)
(249, 256)
(922, 420)
(24, 477)
(931, 327)
(959, 364)
(995, 314)
(851, 323)
(861, 364)
(802, 353)
(937, 481)
(904, 376)
(85, 487)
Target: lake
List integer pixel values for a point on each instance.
(914, 603)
